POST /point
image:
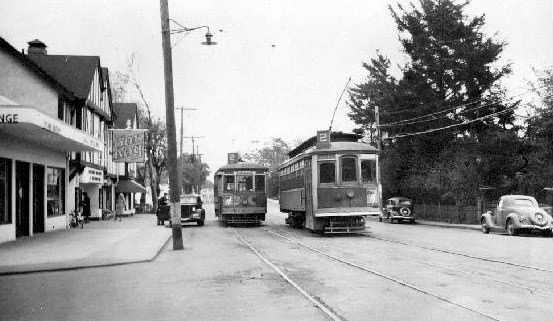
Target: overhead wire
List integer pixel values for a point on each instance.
(453, 125)
(408, 121)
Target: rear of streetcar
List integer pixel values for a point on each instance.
(329, 184)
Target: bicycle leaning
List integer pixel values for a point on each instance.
(75, 220)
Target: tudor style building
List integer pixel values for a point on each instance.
(55, 116)
(39, 128)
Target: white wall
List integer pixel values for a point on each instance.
(20, 84)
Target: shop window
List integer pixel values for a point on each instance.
(349, 169)
(55, 192)
(259, 183)
(228, 183)
(368, 170)
(5, 191)
(327, 172)
(244, 183)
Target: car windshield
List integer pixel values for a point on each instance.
(522, 202)
(404, 202)
(188, 199)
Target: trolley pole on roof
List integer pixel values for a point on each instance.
(379, 147)
(171, 133)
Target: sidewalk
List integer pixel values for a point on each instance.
(449, 225)
(100, 243)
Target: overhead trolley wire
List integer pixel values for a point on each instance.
(451, 126)
(413, 120)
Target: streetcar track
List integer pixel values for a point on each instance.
(461, 254)
(319, 303)
(387, 277)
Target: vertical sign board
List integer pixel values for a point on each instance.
(232, 158)
(323, 139)
(128, 145)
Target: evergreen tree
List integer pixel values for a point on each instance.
(450, 78)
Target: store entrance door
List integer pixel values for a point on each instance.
(21, 199)
(38, 198)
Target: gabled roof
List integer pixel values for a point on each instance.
(122, 112)
(73, 72)
(23, 59)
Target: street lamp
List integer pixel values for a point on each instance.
(174, 186)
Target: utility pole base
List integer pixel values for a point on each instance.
(177, 237)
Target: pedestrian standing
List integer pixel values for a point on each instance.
(120, 207)
(85, 205)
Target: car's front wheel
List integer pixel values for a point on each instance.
(511, 228)
(200, 223)
(485, 228)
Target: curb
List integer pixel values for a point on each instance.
(72, 266)
(446, 225)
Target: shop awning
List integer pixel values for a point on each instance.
(129, 186)
(19, 123)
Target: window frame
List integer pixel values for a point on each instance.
(322, 162)
(355, 165)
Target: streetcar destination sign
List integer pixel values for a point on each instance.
(9, 118)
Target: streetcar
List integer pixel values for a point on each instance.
(329, 184)
(239, 192)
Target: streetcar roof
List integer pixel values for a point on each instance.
(335, 147)
(243, 166)
(334, 138)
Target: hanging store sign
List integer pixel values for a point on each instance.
(128, 145)
(92, 176)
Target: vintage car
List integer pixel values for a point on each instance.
(399, 209)
(190, 208)
(516, 213)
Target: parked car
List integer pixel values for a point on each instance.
(516, 213)
(399, 209)
(191, 209)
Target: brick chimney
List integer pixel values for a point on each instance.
(36, 47)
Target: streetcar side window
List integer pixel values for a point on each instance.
(349, 169)
(228, 183)
(368, 170)
(327, 172)
(245, 183)
(259, 183)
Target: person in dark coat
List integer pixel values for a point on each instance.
(85, 205)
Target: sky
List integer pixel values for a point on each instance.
(279, 66)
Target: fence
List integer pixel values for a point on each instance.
(448, 213)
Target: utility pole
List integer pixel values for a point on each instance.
(193, 153)
(182, 109)
(379, 147)
(174, 186)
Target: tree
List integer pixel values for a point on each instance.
(449, 82)
(271, 155)
(539, 135)
(193, 174)
(123, 86)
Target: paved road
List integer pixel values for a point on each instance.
(272, 272)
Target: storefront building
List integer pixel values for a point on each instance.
(34, 146)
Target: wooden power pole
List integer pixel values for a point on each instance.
(174, 186)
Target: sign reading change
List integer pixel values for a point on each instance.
(128, 145)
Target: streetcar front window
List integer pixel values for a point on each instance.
(349, 169)
(245, 183)
(228, 183)
(327, 172)
(259, 183)
(368, 170)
